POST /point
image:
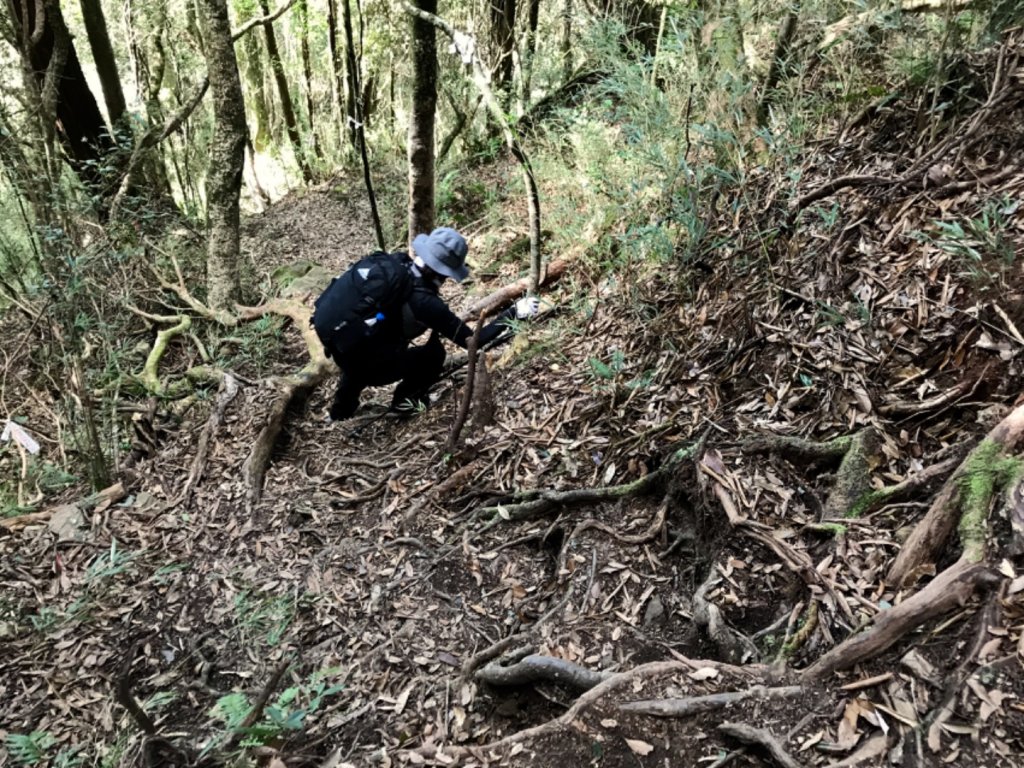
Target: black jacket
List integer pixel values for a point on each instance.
(424, 310)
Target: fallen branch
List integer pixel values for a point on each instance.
(104, 498)
(493, 302)
(697, 705)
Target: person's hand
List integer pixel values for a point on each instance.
(527, 306)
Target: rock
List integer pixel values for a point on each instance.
(654, 613)
(68, 522)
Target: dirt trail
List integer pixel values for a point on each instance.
(376, 562)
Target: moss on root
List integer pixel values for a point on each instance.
(986, 473)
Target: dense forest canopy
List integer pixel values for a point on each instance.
(769, 417)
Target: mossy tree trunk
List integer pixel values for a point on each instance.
(227, 154)
(253, 58)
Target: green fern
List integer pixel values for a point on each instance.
(29, 749)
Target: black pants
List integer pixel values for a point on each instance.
(417, 368)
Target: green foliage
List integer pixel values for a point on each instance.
(288, 713)
(981, 246)
(264, 618)
(31, 748)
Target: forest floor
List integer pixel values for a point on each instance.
(360, 589)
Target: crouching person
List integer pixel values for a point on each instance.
(368, 316)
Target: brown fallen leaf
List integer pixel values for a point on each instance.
(640, 747)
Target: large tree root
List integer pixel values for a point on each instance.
(537, 668)
(228, 390)
(964, 499)
(760, 737)
(529, 504)
(950, 589)
(293, 389)
(697, 705)
(611, 684)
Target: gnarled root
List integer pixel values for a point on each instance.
(536, 668)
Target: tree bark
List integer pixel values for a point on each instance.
(337, 68)
(69, 107)
(287, 107)
(530, 50)
(103, 54)
(307, 72)
(421, 124)
(257, 96)
(227, 155)
(503, 36)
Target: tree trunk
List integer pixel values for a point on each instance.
(227, 154)
(353, 70)
(530, 50)
(103, 54)
(307, 72)
(567, 41)
(351, 76)
(253, 58)
(779, 62)
(69, 107)
(503, 36)
(287, 109)
(421, 124)
(338, 70)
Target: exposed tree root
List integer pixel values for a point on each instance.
(613, 683)
(696, 705)
(534, 503)
(853, 479)
(963, 499)
(799, 448)
(535, 668)
(760, 737)
(950, 589)
(733, 646)
(228, 390)
(293, 389)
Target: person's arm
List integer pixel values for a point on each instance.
(435, 314)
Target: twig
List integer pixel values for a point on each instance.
(257, 708)
(467, 394)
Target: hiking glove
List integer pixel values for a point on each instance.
(527, 307)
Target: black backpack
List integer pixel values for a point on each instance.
(369, 292)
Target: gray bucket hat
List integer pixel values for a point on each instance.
(444, 251)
